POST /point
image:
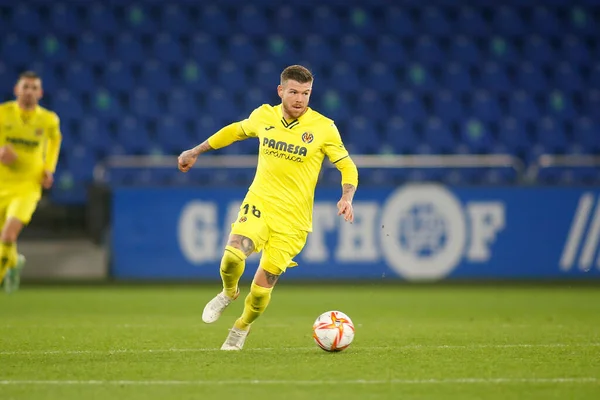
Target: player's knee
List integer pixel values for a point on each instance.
(10, 230)
(231, 258)
(260, 293)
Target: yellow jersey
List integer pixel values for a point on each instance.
(290, 157)
(35, 138)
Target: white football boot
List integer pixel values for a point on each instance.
(215, 307)
(235, 340)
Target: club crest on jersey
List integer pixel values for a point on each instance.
(307, 137)
(242, 219)
(39, 132)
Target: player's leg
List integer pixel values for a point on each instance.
(248, 235)
(19, 212)
(10, 267)
(232, 267)
(279, 253)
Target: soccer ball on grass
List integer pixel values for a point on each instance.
(333, 331)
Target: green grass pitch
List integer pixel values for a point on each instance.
(412, 342)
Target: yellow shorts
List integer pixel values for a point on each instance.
(18, 201)
(279, 247)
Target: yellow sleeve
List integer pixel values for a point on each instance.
(336, 152)
(234, 132)
(53, 145)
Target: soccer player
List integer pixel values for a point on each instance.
(29, 145)
(276, 214)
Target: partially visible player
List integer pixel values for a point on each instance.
(29, 145)
(276, 214)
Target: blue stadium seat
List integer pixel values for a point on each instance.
(513, 135)
(438, 137)
(231, 77)
(567, 78)
(25, 20)
(335, 106)
(373, 106)
(531, 78)
(409, 106)
(574, 51)
(485, 107)
(266, 75)
(401, 136)
(345, 78)
(419, 79)
(181, 103)
(507, 22)
(167, 49)
(16, 50)
(475, 135)
(523, 107)
(174, 19)
(428, 52)
(172, 135)
(456, 78)
(501, 51)
(398, 22)
(380, 78)
(447, 107)
(53, 50)
(144, 104)
(360, 134)
(494, 78)
(101, 20)
(117, 77)
(105, 105)
(155, 76)
(91, 49)
(81, 77)
(585, 133)
(471, 22)
(591, 103)
(559, 106)
(129, 50)
(221, 106)
(595, 76)
(138, 19)
(214, 21)
(255, 97)
(204, 48)
(434, 22)
(537, 50)
(390, 50)
(545, 21)
(94, 134)
(317, 50)
(550, 137)
(354, 51)
(242, 52)
(326, 22)
(463, 50)
(67, 106)
(64, 20)
(133, 135)
(253, 22)
(288, 22)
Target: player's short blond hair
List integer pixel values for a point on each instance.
(29, 75)
(296, 73)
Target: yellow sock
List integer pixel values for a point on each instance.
(232, 268)
(8, 257)
(256, 303)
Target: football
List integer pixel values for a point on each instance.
(333, 331)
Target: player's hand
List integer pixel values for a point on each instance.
(47, 179)
(345, 208)
(186, 160)
(7, 155)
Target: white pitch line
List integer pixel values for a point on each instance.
(259, 349)
(304, 382)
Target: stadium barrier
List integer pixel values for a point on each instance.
(411, 232)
